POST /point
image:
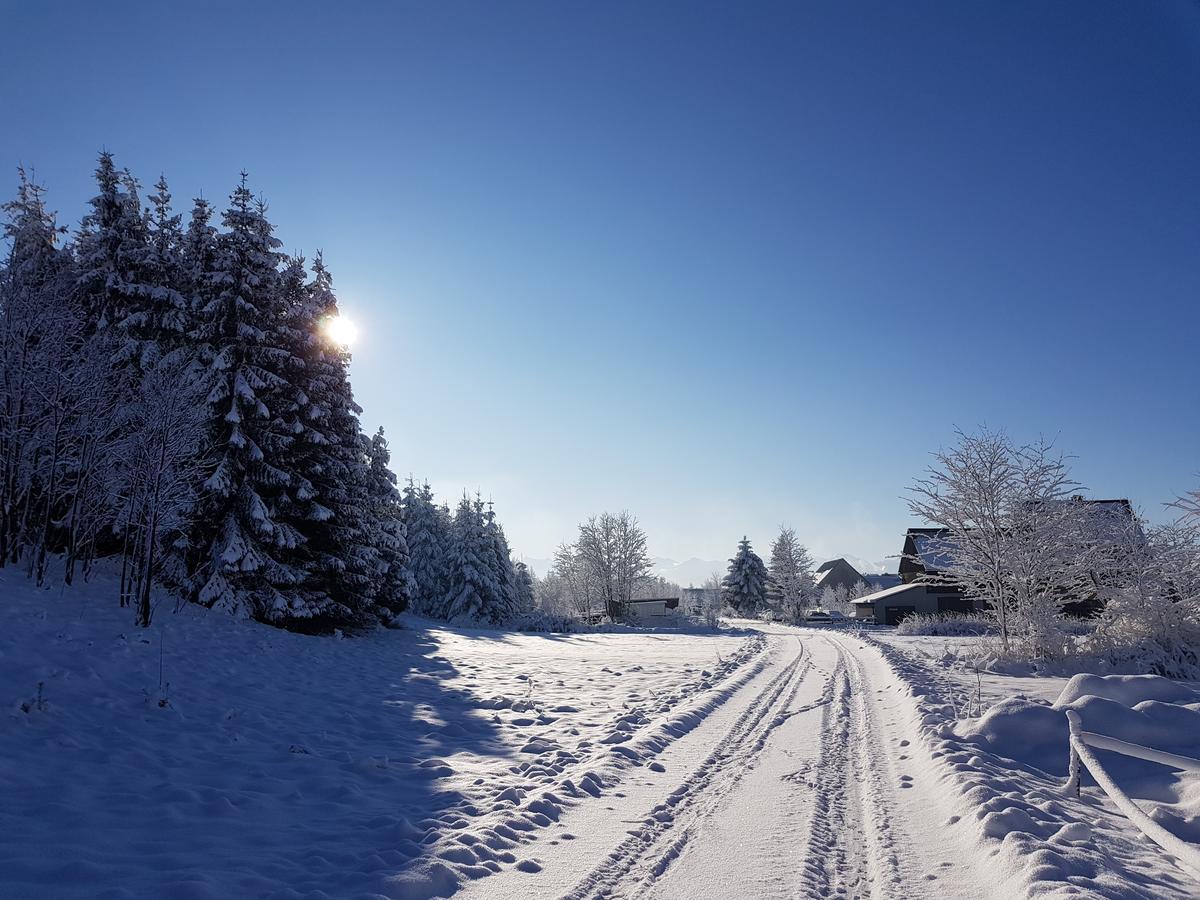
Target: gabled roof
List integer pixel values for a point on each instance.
(837, 572)
(929, 550)
(889, 592)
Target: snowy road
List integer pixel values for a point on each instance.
(809, 782)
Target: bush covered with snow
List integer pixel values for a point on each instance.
(947, 625)
(540, 620)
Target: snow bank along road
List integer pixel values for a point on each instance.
(808, 781)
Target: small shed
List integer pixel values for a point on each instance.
(651, 610)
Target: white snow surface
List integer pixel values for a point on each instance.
(1009, 767)
(762, 761)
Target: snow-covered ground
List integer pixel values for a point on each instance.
(277, 764)
(763, 761)
(1001, 742)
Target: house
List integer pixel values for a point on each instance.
(837, 573)
(891, 605)
(651, 611)
(926, 588)
(920, 586)
(926, 555)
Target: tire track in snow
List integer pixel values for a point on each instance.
(850, 851)
(651, 847)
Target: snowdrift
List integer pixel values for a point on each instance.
(1009, 770)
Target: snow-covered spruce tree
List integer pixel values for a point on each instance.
(159, 319)
(744, 588)
(470, 582)
(789, 577)
(504, 604)
(397, 586)
(427, 548)
(113, 252)
(243, 558)
(328, 502)
(524, 587)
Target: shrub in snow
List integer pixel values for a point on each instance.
(947, 624)
(1151, 619)
(541, 621)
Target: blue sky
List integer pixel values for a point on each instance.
(725, 266)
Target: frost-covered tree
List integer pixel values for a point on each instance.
(578, 588)
(34, 314)
(243, 555)
(504, 602)
(470, 581)
(114, 256)
(1151, 614)
(328, 501)
(744, 588)
(613, 547)
(1017, 536)
(789, 576)
(524, 587)
(159, 316)
(157, 467)
(427, 548)
(396, 587)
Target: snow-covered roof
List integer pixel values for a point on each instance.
(935, 551)
(889, 592)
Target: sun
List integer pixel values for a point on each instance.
(340, 330)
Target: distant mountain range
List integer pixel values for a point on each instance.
(695, 571)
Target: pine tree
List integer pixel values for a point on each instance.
(744, 588)
(397, 586)
(470, 583)
(327, 502)
(503, 605)
(523, 582)
(242, 555)
(113, 253)
(159, 318)
(426, 547)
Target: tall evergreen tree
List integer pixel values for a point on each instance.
(243, 554)
(427, 548)
(503, 604)
(470, 565)
(113, 252)
(158, 319)
(523, 580)
(745, 586)
(397, 587)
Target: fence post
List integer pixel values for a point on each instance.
(1073, 766)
